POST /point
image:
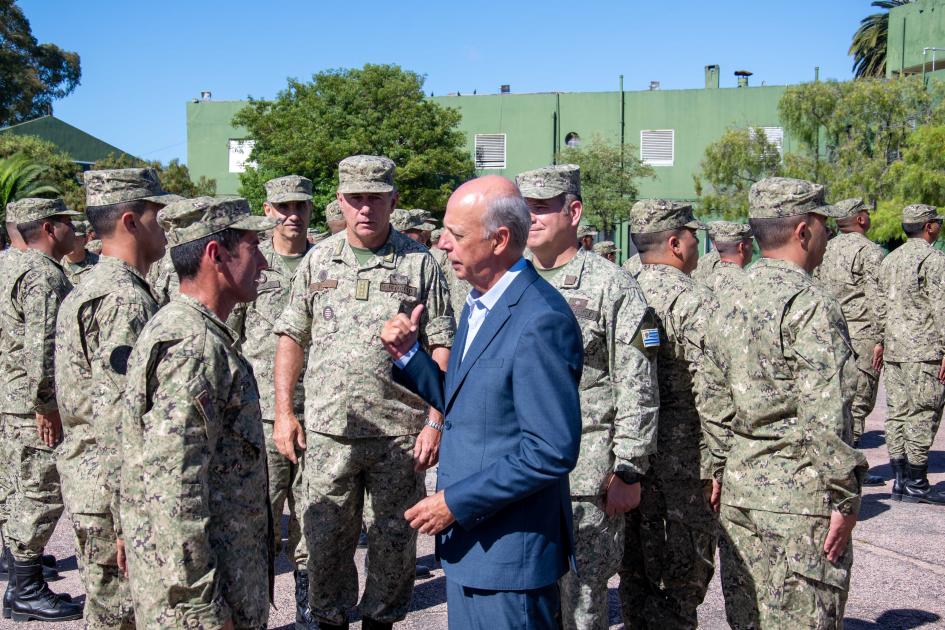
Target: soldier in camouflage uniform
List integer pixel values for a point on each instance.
(606, 249)
(417, 224)
(785, 474)
(334, 219)
(586, 235)
(195, 508)
(79, 259)
(31, 294)
(732, 243)
(912, 324)
(669, 553)
(289, 201)
(633, 265)
(370, 436)
(707, 264)
(98, 323)
(619, 391)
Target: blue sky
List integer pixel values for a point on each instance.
(142, 61)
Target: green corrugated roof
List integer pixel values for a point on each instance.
(83, 147)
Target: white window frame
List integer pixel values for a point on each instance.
(659, 161)
(494, 164)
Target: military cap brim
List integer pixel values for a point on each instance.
(539, 192)
(362, 186)
(288, 196)
(254, 223)
(163, 199)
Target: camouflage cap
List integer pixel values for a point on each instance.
(920, 213)
(118, 185)
(435, 235)
(605, 247)
(333, 211)
(33, 209)
(850, 207)
(192, 219)
(659, 215)
(81, 227)
(366, 174)
(586, 230)
(729, 231)
(550, 181)
(777, 197)
(288, 188)
(404, 220)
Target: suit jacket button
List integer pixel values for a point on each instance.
(447, 425)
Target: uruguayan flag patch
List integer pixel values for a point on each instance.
(651, 338)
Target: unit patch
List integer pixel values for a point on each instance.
(579, 307)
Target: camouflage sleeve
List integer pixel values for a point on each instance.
(237, 319)
(40, 306)
(934, 271)
(870, 259)
(183, 425)
(296, 320)
(715, 402)
(439, 327)
(636, 390)
(879, 306)
(815, 334)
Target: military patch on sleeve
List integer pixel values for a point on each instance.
(579, 307)
(651, 337)
(118, 360)
(647, 337)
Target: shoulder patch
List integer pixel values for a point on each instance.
(648, 335)
(118, 360)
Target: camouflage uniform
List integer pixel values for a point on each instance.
(98, 324)
(163, 280)
(619, 405)
(912, 322)
(361, 426)
(633, 265)
(669, 555)
(725, 278)
(850, 272)
(73, 270)
(781, 355)
(7, 481)
(30, 295)
(194, 496)
(707, 264)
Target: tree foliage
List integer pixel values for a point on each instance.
(62, 171)
(21, 177)
(175, 177)
(377, 109)
(868, 47)
(731, 165)
(609, 180)
(32, 75)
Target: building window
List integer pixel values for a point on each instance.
(239, 155)
(774, 135)
(490, 150)
(657, 146)
(573, 140)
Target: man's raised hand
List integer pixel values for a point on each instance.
(400, 333)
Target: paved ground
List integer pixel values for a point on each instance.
(898, 573)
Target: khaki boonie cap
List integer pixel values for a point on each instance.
(288, 188)
(779, 197)
(550, 181)
(366, 174)
(920, 213)
(34, 209)
(850, 207)
(118, 185)
(605, 247)
(333, 211)
(659, 215)
(192, 219)
(586, 230)
(729, 231)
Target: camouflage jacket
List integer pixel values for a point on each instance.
(683, 308)
(194, 490)
(30, 295)
(163, 280)
(75, 270)
(633, 265)
(98, 324)
(337, 309)
(912, 311)
(850, 273)
(705, 267)
(725, 280)
(618, 389)
(782, 352)
(254, 321)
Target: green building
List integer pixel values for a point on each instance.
(84, 148)
(916, 38)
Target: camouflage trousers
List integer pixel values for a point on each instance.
(775, 574)
(915, 399)
(340, 476)
(36, 504)
(866, 386)
(598, 542)
(107, 592)
(7, 478)
(285, 485)
(669, 556)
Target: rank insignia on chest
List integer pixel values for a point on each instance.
(328, 313)
(651, 338)
(570, 282)
(362, 289)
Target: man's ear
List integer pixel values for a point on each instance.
(502, 238)
(576, 208)
(129, 222)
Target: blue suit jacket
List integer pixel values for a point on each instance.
(511, 436)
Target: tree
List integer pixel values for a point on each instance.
(20, 177)
(32, 75)
(63, 172)
(731, 165)
(175, 177)
(377, 109)
(608, 180)
(868, 47)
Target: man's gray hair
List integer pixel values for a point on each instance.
(511, 212)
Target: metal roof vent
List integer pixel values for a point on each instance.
(743, 77)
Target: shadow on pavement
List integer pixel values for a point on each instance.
(936, 461)
(67, 564)
(899, 619)
(872, 439)
(429, 593)
(873, 505)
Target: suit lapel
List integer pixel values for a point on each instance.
(459, 342)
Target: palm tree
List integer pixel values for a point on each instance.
(20, 177)
(869, 42)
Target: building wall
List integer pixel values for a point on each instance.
(209, 132)
(912, 28)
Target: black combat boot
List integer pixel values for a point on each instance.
(6, 564)
(422, 571)
(6, 567)
(899, 478)
(8, 595)
(369, 624)
(333, 626)
(304, 620)
(32, 599)
(918, 490)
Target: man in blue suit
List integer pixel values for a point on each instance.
(502, 510)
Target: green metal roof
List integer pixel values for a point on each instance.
(83, 147)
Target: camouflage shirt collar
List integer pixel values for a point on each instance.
(726, 263)
(273, 258)
(778, 263)
(669, 270)
(385, 256)
(124, 266)
(200, 307)
(35, 252)
(570, 273)
(917, 242)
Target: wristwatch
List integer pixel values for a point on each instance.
(435, 425)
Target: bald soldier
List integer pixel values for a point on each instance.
(733, 245)
(618, 389)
